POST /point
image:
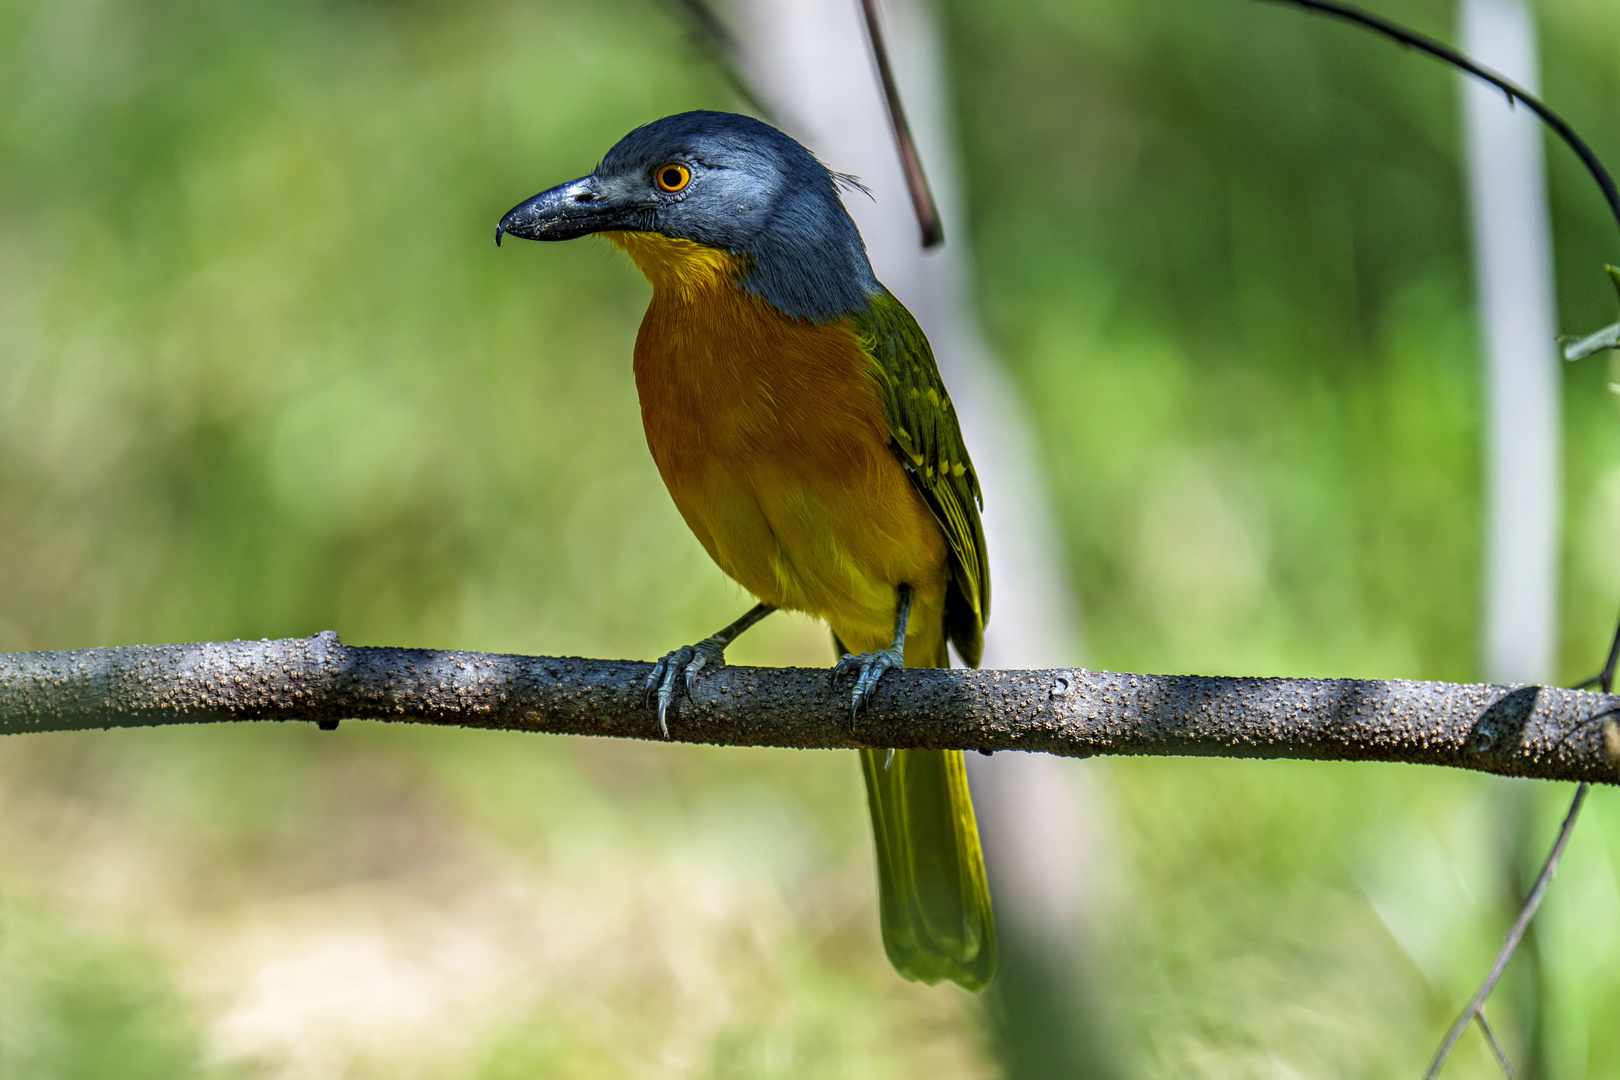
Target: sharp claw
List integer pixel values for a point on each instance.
(669, 673)
(888, 760)
(871, 668)
(652, 685)
(674, 674)
(845, 664)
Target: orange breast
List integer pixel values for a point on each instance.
(770, 435)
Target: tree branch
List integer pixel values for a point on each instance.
(1543, 732)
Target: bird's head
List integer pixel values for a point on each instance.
(726, 182)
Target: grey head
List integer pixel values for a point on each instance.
(729, 182)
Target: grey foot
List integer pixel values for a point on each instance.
(871, 667)
(675, 673)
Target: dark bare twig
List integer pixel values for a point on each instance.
(922, 198)
(1515, 92)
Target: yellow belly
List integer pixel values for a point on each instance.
(770, 435)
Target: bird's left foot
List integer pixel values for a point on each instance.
(870, 667)
(677, 670)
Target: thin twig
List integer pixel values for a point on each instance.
(1514, 91)
(1527, 913)
(922, 198)
(1496, 1047)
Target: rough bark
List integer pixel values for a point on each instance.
(1529, 731)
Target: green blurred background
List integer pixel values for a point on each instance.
(262, 374)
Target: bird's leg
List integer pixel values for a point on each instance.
(676, 670)
(872, 665)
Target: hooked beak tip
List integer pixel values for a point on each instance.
(559, 213)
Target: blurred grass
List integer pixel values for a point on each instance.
(262, 373)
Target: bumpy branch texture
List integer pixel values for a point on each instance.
(1531, 731)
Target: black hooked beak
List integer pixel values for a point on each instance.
(577, 208)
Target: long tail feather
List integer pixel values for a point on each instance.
(934, 898)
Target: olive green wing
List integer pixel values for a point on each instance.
(926, 437)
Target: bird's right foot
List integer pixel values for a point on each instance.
(867, 668)
(675, 672)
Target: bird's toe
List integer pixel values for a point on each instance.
(868, 669)
(848, 664)
(666, 681)
(706, 653)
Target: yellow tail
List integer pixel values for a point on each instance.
(935, 901)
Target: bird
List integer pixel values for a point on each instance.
(796, 414)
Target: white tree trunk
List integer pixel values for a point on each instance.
(1507, 187)
(1513, 267)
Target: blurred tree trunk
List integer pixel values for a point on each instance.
(1513, 270)
(811, 61)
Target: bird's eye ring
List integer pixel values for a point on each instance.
(672, 177)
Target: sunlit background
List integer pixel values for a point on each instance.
(262, 373)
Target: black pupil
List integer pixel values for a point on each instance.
(672, 178)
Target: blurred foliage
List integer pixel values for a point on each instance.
(1224, 248)
(1236, 234)
(262, 373)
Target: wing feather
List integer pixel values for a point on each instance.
(927, 439)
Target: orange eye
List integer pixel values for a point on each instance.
(672, 177)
